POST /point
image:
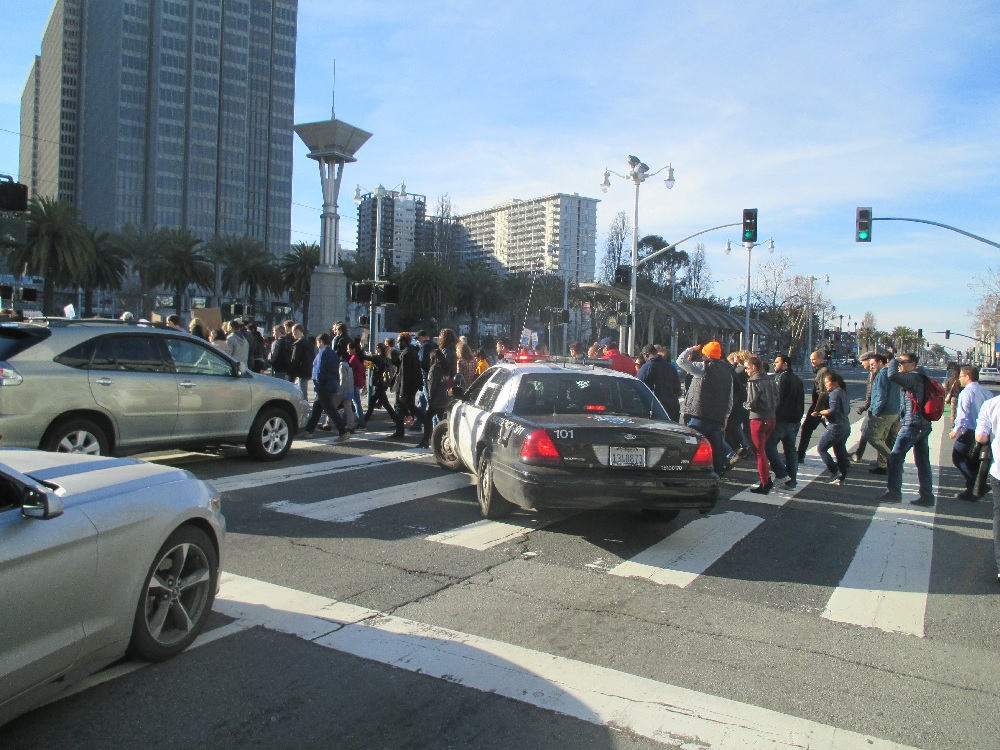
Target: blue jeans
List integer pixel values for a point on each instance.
(713, 432)
(784, 433)
(912, 436)
(357, 407)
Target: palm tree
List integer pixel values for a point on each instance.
(106, 272)
(250, 269)
(479, 292)
(427, 288)
(181, 263)
(141, 246)
(56, 247)
(296, 274)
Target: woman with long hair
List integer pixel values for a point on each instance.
(838, 427)
(762, 400)
(466, 364)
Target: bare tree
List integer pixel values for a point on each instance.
(445, 240)
(986, 314)
(614, 247)
(698, 283)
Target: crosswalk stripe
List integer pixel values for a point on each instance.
(296, 473)
(481, 535)
(680, 558)
(808, 471)
(887, 583)
(606, 697)
(351, 507)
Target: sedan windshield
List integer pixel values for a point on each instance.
(573, 393)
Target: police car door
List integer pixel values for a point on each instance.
(469, 417)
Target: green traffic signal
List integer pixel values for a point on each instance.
(863, 236)
(863, 224)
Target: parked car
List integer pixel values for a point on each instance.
(99, 557)
(554, 434)
(109, 388)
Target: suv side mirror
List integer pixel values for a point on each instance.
(37, 503)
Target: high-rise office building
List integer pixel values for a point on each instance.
(403, 225)
(552, 234)
(173, 113)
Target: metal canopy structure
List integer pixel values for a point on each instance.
(683, 313)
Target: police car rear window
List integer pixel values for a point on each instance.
(583, 393)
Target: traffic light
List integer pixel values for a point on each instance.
(361, 292)
(947, 334)
(750, 225)
(390, 294)
(563, 315)
(13, 196)
(863, 225)
(385, 267)
(920, 333)
(623, 276)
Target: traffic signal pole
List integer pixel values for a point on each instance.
(939, 224)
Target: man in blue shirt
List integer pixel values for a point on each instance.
(659, 374)
(970, 400)
(883, 413)
(326, 381)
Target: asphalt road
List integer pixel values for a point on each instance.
(367, 605)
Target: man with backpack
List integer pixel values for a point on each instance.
(916, 416)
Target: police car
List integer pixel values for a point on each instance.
(553, 433)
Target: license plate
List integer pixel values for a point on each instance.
(627, 456)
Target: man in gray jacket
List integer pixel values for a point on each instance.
(709, 397)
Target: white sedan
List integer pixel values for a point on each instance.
(99, 557)
(989, 375)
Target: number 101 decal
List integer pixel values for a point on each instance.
(563, 434)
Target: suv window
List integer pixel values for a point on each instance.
(13, 341)
(128, 353)
(191, 358)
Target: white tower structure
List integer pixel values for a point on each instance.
(333, 143)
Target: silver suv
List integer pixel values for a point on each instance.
(106, 387)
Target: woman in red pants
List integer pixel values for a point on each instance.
(762, 398)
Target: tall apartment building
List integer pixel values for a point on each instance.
(552, 234)
(173, 113)
(404, 228)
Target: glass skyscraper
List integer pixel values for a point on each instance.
(178, 113)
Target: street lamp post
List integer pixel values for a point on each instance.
(809, 341)
(746, 313)
(638, 172)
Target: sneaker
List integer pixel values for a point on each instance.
(732, 460)
(889, 497)
(839, 480)
(856, 458)
(966, 495)
(924, 502)
(791, 484)
(881, 470)
(345, 435)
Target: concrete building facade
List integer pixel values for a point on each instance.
(554, 234)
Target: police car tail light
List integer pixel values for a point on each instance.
(538, 448)
(9, 376)
(703, 456)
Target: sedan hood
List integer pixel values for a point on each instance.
(73, 474)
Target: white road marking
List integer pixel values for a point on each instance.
(681, 557)
(308, 471)
(352, 507)
(887, 583)
(599, 695)
(780, 495)
(481, 535)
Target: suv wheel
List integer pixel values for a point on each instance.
(76, 436)
(270, 436)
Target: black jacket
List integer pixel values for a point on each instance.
(791, 397)
(303, 354)
(661, 377)
(410, 378)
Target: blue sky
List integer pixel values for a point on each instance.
(804, 110)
